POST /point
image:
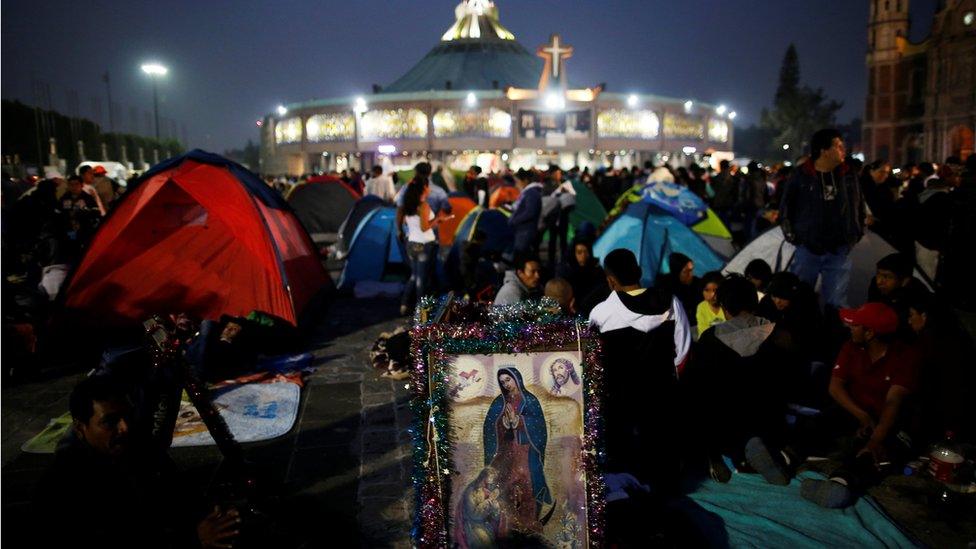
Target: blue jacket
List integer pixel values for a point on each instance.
(801, 209)
(528, 208)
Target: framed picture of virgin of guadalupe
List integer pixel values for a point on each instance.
(511, 442)
(516, 463)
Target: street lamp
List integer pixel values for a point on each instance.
(282, 110)
(155, 71)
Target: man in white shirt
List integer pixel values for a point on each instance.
(381, 185)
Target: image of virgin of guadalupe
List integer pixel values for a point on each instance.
(515, 446)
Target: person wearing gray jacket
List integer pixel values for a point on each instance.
(520, 283)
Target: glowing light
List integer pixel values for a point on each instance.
(260, 123)
(555, 101)
(688, 150)
(732, 115)
(471, 100)
(154, 69)
(504, 157)
(282, 110)
(721, 109)
(688, 105)
(786, 146)
(359, 106)
(640, 124)
(632, 101)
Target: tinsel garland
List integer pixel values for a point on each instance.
(475, 329)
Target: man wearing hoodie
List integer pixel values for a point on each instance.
(735, 386)
(520, 283)
(645, 338)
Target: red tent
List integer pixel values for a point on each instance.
(199, 234)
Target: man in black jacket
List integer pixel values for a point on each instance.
(822, 213)
(645, 337)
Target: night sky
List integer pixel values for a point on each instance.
(233, 61)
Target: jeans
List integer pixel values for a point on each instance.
(421, 256)
(834, 268)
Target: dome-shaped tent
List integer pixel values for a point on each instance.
(359, 211)
(321, 203)
(493, 223)
(202, 235)
(772, 247)
(374, 251)
(460, 206)
(653, 235)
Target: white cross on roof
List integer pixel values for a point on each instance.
(556, 54)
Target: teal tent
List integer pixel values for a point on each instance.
(653, 234)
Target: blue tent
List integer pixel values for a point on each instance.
(359, 211)
(494, 223)
(653, 234)
(675, 199)
(374, 248)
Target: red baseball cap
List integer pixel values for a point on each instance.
(878, 317)
(100, 170)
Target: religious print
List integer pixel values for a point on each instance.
(517, 472)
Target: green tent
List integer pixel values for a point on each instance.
(715, 234)
(588, 207)
(712, 226)
(628, 197)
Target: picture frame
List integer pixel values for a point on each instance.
(508, 433)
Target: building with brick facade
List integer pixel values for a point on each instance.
(921, 100)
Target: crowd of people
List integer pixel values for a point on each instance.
(725, 361)
(728, 359)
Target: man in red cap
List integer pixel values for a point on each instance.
(873, 375)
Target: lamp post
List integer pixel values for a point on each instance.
(155, 70)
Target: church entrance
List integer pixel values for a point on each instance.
(961, 141)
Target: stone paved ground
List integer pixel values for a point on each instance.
(345, 463)
(343, 471)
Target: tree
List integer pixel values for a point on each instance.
(798, 111)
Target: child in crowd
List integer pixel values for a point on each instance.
(709, 312)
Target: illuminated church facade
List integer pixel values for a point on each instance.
(479, 97)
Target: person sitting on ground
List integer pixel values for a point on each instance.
(110, 488)
(892, 281)
(646, 338)
(520, 283)
(758, 272)
(709, 312)
(873, 376)
(682, 283)
(734, 389)
(582, 270)
(222, 350)
(793, 306)
(947, 382)
(561, 291)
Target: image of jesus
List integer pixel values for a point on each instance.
(562, 371)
